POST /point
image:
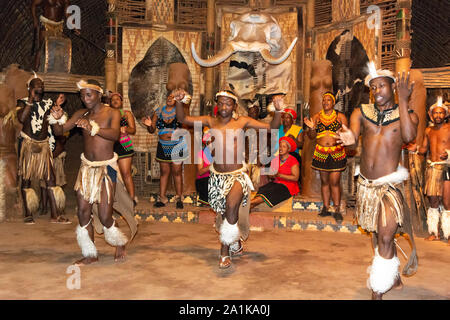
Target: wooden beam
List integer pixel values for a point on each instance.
(436, 78)
(62, 82)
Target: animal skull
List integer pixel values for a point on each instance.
(251, 32)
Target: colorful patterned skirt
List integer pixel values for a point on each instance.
(124, 147)
(172, 151)
(329, 158)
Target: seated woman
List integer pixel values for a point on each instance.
(329, 157)
(289, 129)
(204, 159)
(285, 184)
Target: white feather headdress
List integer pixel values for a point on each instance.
(34, 76)
(374, 73)
(439, 104)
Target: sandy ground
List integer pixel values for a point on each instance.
(180, 261)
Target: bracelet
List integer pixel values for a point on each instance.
(61, 121)
(95, 127)
(187, 98)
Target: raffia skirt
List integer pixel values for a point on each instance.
(35, 160)
(372, 196)
(434, 179)
(58, 167)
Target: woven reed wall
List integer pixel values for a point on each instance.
(16, 36)
(430, 24)
(322, 12)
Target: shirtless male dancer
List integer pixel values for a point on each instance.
(437, 177)
(381, 206)
(228, 188)
(96, 181)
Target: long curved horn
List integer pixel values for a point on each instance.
(213, 61)
(272, 60)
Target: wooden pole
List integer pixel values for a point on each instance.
(418, 104)
(308, 49)
(111, 50)
(209, 72)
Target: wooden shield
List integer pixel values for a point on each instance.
(148, 79)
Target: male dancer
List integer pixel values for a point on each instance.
(50, 23)
(437, 177)
(35, 155)
(381, 206)
(228, 189)
(96, 181)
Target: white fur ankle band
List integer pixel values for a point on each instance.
(60, 198)
(383, 273)
(229, 233)
(433, 220)
(95, 127)
(114, 236)
(32, 200)
(88, 249)
(445, 223)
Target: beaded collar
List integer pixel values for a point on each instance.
(374, 115)
(327, 119)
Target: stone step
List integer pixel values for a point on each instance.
(259, 220)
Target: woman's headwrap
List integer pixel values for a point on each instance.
(290, 141)
(116, 94)
(89, 85)
(291, 112)
(331, 95)
(439, 104)
(226, 93)
(374, 73)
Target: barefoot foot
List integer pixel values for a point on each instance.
(120, 254)
(432, 238)
(398, 285)
(377, 296)
(85, 261)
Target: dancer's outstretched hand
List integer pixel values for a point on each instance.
(84, 124)
(147, 121)
(309, 123)
(404, 88)
(57, 112)
(278, 103)
(345, 136)
(178, 94)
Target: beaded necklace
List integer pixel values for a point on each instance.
(327, 119)
(168, 115)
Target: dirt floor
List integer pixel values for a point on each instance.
(180, 261)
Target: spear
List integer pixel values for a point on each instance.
(89, 41)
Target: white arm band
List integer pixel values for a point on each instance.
(187, 98)
(95, 127)
(61, 121)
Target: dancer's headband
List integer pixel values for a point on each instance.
(86, 85)
(331, 95)
(225, 93)
(439, 104)
(374, 73)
